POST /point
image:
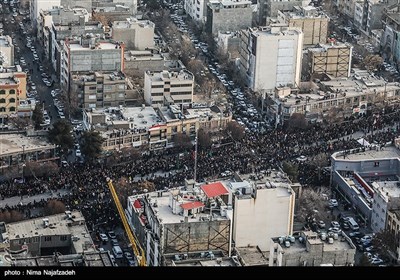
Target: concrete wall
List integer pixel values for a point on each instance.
(258, 220)
(315, 29)
(96, 60)
(198, 236)
(228, 19)
(269, 51)
(138, 67)
(135, 38)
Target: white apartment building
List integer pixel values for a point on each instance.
(165, 88)
(196, 9)
(271, 57)
(262, 209)
(6, 51)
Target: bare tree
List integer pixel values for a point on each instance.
(313, 203)
(235, 130)
(297, 121)
(182, 141)
(372, 61)
(204, 139)
(54, 206)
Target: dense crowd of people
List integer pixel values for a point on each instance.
(85, 186)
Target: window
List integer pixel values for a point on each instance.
(2, 100)
(157, 86)
(12, 109)
(92, 87)
(63, 238)
(12, 91)
(2, 91)
(12, 100)
(47, 238)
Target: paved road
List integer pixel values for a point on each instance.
(15, 200)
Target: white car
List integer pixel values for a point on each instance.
(103, 237)
(335, 224)
(302, 158)
(78, 153)
(333, 203)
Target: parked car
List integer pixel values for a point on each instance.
(103, 237)
(333, 203)
(78, 154)
(335, 224)
(321, 224)
(111, 234)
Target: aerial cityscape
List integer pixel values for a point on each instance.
(189, 133)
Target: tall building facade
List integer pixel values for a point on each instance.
(270, 57)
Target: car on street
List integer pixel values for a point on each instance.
(114, 242)
(128, 256)
(103, 237)
(354, 234)
(335, 224)
(366, 238)
(111, 233)
(78, 154)
(321, 224)
(333, 203)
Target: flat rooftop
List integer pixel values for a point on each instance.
(58, 225)
(132, 23)
(5, 41)
(252, 256)
(18, 143)
(386, 152)
(142, 55)
(99, 46)
(387, 188)
(172, 76)
(164, 212)
(326, 47)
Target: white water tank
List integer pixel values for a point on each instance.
(330, 240)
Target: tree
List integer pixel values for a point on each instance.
(92, 144)
(292, 170)
(54, 206)
(182, 141)
(235, 130)
(312, 204)
(11, 216)
(297, 121)
(37, 116)
(386, 243)
(372, 61)
(152, 5)
(40, 169)
(364, 261)
(20, 123)
(204, 139)
(61, 135)
(318, 161)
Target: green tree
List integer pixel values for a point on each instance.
(61, 135)
(37, 116)
(92, 144)
(204, 139)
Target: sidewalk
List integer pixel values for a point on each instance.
(12, 201)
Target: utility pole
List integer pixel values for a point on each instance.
(195, 155)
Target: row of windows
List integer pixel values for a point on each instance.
(12, 109)
(181, 85)
(181, 93)
(11, 91)
(12, 100)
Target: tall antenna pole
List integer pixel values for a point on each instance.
(195, 156)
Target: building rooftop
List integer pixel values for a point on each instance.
(201, 259)
(326, 47)
(226, 4)
(132, 23)
(298, 243)
(183, 75)
(5, 41)
(17, 143)
(276, 30)
(142, 56)
(367, 154)
(107, 76)
(387, 189)
(58, 224)
(99, 46)
(303, 12)
(96, 259)
(252, 256)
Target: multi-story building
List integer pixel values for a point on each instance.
(269, 8)
(270, 57)
(390, 43)
(165, 88)
(131, 5)
(310, 249)
(349, 96)
(367, 178)
(17, 148)
(12, 91)
(228, 43)
(152, 128)
(6, 51)
(136, 63)
(313, 23)
(393, 227)
(102, 89)
(225, 16)
(113, 13)
(136, 34)
(181, 221)
(197, 10)
(65, 233)
(333, 59)
(59, 16)
(262, 209)
(89, 53)
(37, 5)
